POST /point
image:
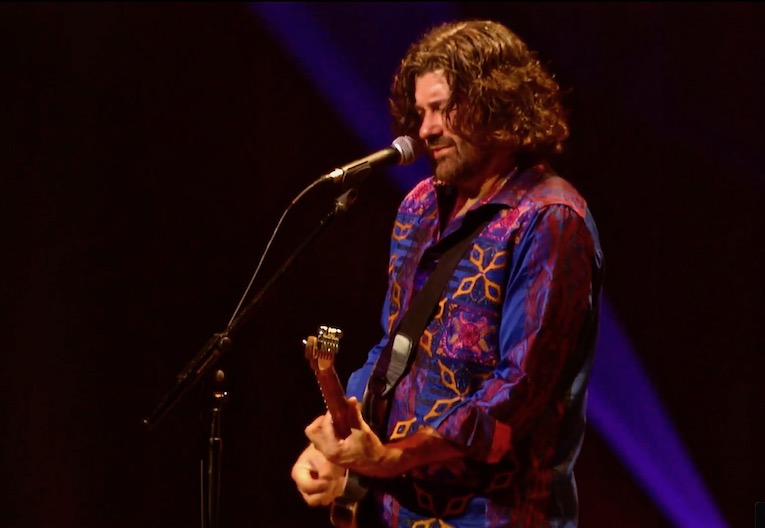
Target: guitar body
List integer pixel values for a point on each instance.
(343, 513)
(320, 352)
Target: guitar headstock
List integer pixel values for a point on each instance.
(320, 350)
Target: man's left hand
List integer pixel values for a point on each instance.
(362, 451)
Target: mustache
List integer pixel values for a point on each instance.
(440, 142)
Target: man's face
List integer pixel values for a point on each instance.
(455, 159)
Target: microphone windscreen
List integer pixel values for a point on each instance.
(407, 146)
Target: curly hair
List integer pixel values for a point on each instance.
(505, 97)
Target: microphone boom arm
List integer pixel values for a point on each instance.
(219, 343)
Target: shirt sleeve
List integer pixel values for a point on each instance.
(548, 301)
(357, 381)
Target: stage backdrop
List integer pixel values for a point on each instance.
(149, 150)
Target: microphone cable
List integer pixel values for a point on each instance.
(268, 247)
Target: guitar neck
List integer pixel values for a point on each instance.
(334, 398)
(320, 352)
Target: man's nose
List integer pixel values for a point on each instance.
(430, 127)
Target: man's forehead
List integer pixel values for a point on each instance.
(431, 86)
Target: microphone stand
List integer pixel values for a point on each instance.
(211, 353)
(210, 487)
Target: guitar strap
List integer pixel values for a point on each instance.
(396, 357)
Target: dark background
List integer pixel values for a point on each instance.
(148, 151)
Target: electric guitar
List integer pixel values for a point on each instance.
(320, 351)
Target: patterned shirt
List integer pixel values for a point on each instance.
(501, 370)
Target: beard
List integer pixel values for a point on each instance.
(461, 163)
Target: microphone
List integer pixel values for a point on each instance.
(403, 151)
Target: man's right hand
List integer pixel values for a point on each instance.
(318, 480)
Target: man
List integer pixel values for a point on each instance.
(486, 424)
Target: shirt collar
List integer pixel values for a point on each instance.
(509, 189)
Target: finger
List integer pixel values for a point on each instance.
(331, 471)
(317, 499)
(314, 426)
(323, 439)
(318, 465)
(304, 471)
(355, 405)
(325, 494)
(325, 471)
(314, 486)
(312, 499)
(316, 438)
